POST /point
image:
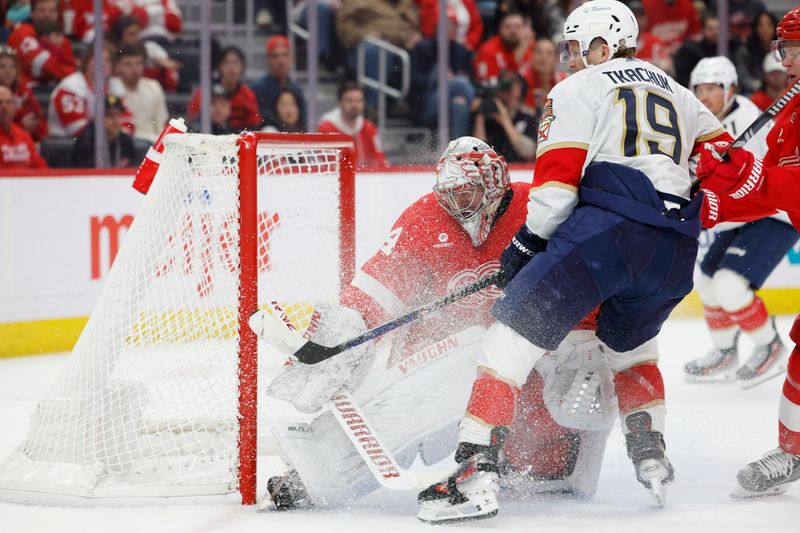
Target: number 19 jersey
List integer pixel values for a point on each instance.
(624, 111)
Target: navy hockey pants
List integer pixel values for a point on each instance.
(636, 273)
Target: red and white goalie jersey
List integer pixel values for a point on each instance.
(429, 255)
(624, 111)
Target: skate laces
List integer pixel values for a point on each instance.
(776, 463)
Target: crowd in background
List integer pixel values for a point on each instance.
(502, 63)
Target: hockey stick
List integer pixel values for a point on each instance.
(280, 330)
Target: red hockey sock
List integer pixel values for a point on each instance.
(639, 386)
(788, 439)
(751, 317)
(492, 400)
(717, 318)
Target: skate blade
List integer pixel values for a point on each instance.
(477, 507)
(741, 493)
(776, 371)
(659, 492)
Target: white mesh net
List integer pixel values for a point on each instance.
(147, 405)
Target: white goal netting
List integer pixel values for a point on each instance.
(148, 402)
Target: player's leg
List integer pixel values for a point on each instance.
(540, 306)
(721, 363)
(778, 468)
(640, 392)
(751, 256)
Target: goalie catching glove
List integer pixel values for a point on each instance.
(309, 387)
(524, 245)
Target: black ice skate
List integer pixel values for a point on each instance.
(718, 366)
(286, 492)
(646, 450)
(769, 476)
(470, 493)
(766, 361)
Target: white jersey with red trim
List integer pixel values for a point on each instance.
(72, 104)
(624, 111)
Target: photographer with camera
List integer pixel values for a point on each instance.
(501, 122)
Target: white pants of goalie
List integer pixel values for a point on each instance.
(414, 407)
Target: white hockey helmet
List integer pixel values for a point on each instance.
(610, 20)
(770, 64)
(718, 70)
(471, 180)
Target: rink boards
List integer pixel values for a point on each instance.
(59, 233)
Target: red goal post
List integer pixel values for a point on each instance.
(248, 301)
(159, 398)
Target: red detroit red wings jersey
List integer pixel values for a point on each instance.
(426, 256)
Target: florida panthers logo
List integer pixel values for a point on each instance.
(469, 276)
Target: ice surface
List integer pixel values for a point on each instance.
(712, 430)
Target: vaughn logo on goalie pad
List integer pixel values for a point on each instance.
(361, 435)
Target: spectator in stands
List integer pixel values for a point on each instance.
(774, 82)
(649, 47)
(279, 63)
(29, 113)
(505, 51)
(78, 16)
(145, 98)
(465, 13)
(126, 31)
(18, 12)
(286, 114)
(220, 113)
(394, 21)
(121, 150)
(73, 100)
(541, 74)
(348, 118)
(16, 146)
(672, 21)
(39, 64)
(741, 14)
(228, 74)
(749, 57)
(503, 124)
(329, 48)
(423, 96)
(546, 18)
(692, 52)
(164, 20)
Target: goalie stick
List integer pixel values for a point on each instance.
(280, 330)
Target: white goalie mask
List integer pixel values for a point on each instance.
(610, 20)
(471, 180)
(718, 70)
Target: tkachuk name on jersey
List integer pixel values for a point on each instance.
(631, 75)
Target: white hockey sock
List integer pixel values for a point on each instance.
(470, 430)
(763, 334)
(724, 337)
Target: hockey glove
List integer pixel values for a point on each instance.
(740, 176)
(524, 245)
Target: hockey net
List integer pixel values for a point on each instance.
(158, 398)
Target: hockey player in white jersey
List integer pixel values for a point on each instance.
(408, 391)
(741, 257)
(610, 224)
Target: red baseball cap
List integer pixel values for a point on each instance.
(277, 41)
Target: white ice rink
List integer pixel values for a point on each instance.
(712, 430)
